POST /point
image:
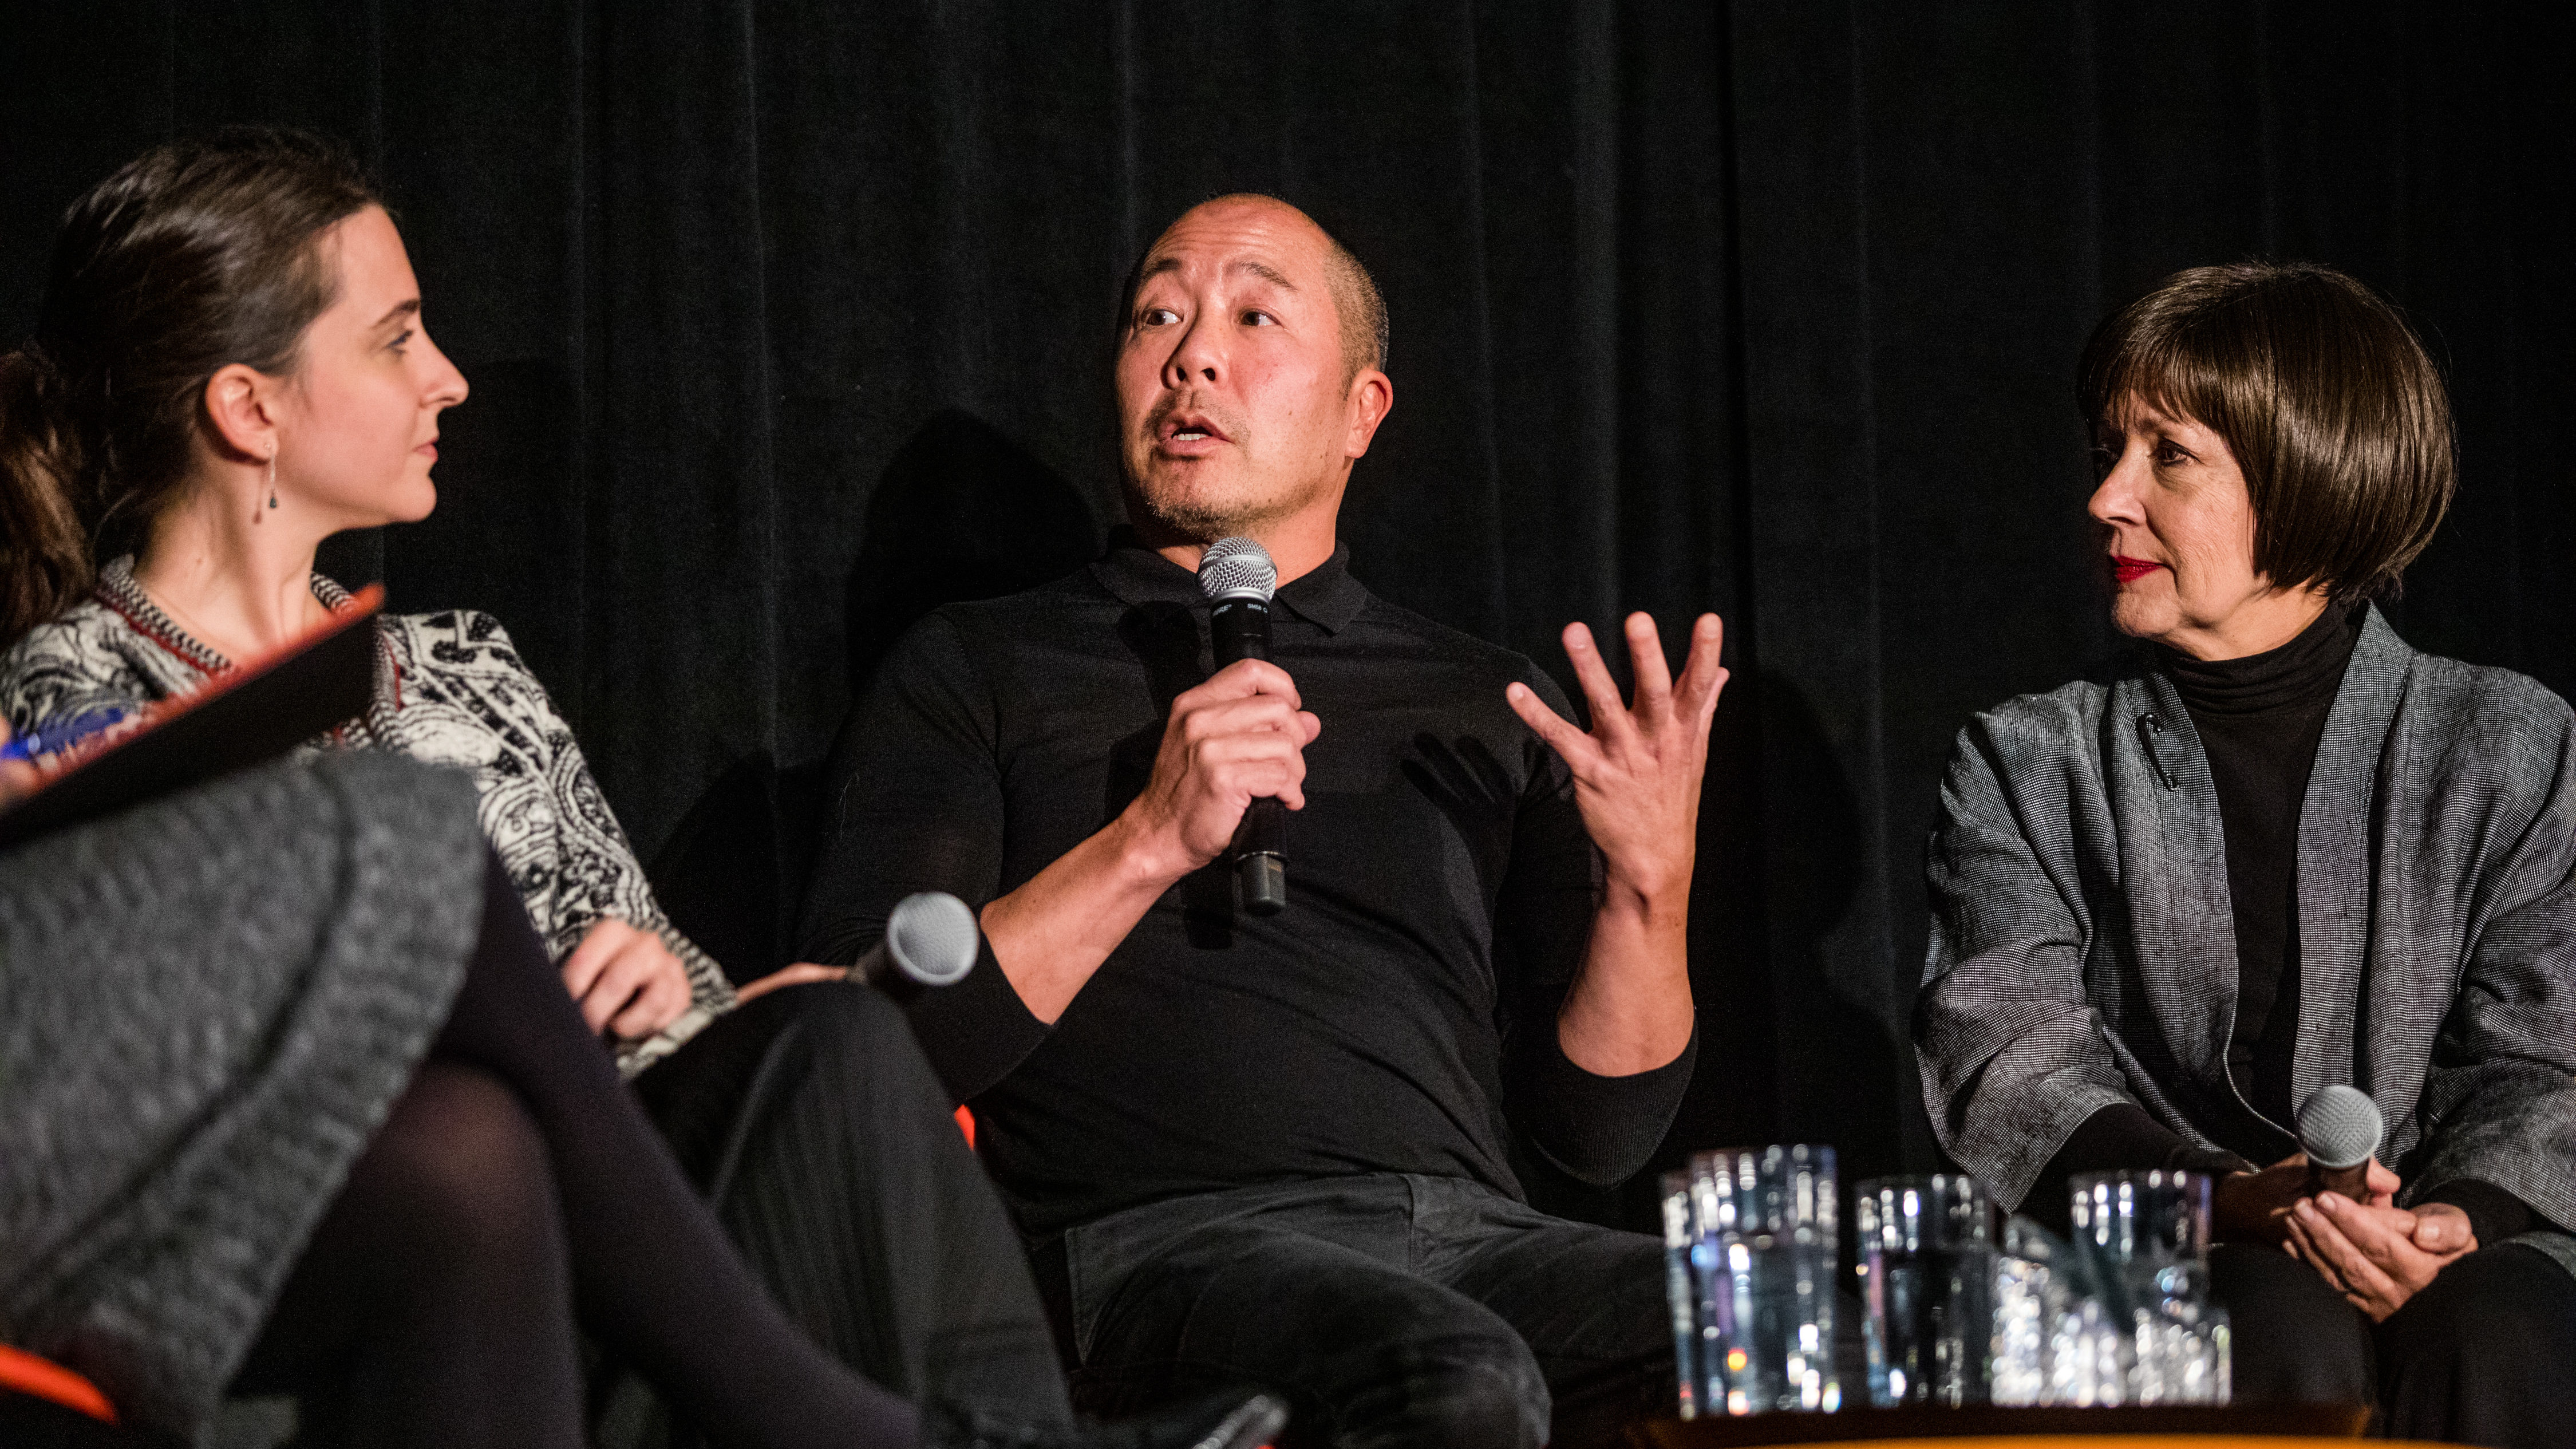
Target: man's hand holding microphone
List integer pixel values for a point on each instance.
(1237, 738)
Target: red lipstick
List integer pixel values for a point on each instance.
(2129, 570)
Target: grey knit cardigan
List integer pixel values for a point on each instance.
(207, 1005)
(2083, 952)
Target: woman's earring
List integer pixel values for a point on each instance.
(272, 480)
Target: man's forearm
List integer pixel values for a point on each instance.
(1052, 933)
(1630, 1008)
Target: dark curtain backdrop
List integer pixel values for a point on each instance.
(788, 319)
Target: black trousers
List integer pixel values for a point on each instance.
(2482, 1356)
(1389, 1310)
(828, 1149)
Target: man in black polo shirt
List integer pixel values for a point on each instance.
(1277, 1149)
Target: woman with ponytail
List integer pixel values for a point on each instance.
(44, 551)
(229, 366)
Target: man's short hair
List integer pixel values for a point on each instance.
(2333, 411)
(1356, 299)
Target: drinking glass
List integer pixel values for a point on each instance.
(1681, 1291)
(2147, 1234)
(1927, 1248)
(1766, 1312)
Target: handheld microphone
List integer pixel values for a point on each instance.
(1238, 578)
(931, 940)
(2340, 1130)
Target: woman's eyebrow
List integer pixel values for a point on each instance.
(401, 309)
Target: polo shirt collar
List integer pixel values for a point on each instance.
(1327, 597)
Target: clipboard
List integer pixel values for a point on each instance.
(253, 714)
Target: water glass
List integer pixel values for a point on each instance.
(2147, 1235)
(1767, 1218)
(1927, 1248)
(1681, 1291)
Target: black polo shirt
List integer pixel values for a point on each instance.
(1398, 1016)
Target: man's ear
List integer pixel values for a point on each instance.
(241, 403)
(1371, 398)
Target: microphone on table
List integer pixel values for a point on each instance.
(931, 939)
(2340, 1129)
(1238, 578)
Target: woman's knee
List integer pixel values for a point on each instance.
(459, 1175)
(2503, 1306)
(2295, 1339)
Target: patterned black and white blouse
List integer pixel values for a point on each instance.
(449, 690)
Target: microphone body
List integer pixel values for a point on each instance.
(1238, 578)
(2340, 1129)
(931, 940)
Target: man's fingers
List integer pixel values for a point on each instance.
(1559, 732)
(1646, 663)
(2379, 1181)
(1600, 691)
(1248, 715)
(1242, 679)
(1702, 676)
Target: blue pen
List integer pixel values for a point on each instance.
(57, 735)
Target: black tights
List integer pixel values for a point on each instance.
(514, 1178)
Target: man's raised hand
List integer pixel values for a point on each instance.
(1637, 773)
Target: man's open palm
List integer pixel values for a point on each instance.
(1637, 774)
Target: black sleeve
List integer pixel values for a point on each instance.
(2494, 1214)
(914, 803)
(1595, 1129)
(2117, 1138)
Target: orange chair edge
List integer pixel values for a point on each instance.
(44, 1379)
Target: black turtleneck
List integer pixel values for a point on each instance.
(2259, 719)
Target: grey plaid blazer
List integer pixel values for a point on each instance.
(2083, 952)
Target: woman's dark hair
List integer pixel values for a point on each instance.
(196, 255)
(2328, 402)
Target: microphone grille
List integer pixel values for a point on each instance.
(2340, 1127)
(933, 938)
(1235, 568)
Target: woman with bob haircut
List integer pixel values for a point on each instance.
(2276, 849)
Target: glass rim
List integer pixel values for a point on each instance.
(1921, 1180)
(2143, 1177)
(1811, 1148)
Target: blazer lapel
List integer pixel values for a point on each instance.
(2336, 866)
(2174, 857)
